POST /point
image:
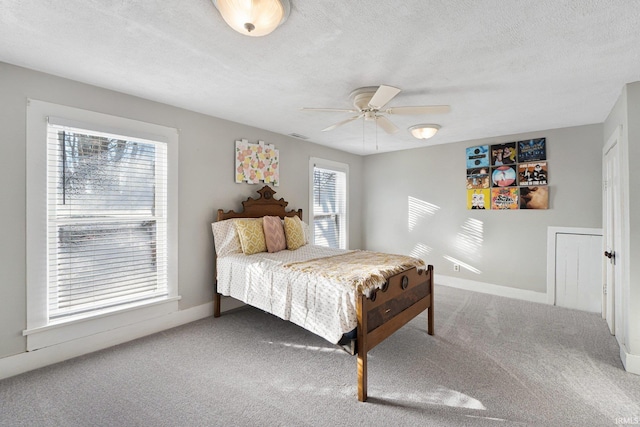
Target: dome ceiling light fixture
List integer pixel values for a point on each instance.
(253, 18)
(424, 131)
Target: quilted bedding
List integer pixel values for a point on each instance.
(314, 287)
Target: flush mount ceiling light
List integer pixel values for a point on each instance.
(253, 18)
(424, 131)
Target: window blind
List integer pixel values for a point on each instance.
(329, 207)
(106, 220)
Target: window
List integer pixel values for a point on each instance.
(329, 203)
(101, 211)
(106, 218)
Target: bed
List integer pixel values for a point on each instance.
(297, 285)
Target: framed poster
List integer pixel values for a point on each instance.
(503, 154)
(532, 150)
(503, 176)
(504, 198)
(477, 156)
(478, 199)
(532, 173)
(534, 197)
(477, 178)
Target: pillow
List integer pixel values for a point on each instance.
(306, 229)
(225, 238)
(294, 233)
(251, 235)
(307, 232)
(274, 233)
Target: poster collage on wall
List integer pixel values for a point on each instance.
(510, 175)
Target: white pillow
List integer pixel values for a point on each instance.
(226, 238)
(307, 232)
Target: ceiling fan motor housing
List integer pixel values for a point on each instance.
(361, 98)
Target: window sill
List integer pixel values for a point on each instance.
(70, 329)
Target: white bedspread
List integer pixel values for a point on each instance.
(312, 302)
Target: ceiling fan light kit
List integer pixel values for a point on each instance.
(369, 102)
(424, 131)
(253, 18)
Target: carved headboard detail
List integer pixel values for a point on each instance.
(266, 204)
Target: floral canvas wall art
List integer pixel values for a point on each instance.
(257, 162)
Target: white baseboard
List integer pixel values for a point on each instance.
(27, 361)
(630, 361)
(489, 288)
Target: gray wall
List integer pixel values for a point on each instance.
(206, 174)
(507, 247)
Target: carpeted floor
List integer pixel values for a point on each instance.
(493, 361)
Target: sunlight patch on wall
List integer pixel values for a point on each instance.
(462, 264)
(469, 240)
(419, 209)
(420, 250)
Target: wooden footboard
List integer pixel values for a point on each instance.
(404, 296)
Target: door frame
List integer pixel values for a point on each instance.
(613, 299)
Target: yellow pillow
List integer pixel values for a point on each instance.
(251, 234)
(293, 232)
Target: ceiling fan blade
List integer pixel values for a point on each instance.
(331, 110)
(344, 122)
(427, 109)
(383, 95)
(386, 124)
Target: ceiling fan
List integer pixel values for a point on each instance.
(369, 102)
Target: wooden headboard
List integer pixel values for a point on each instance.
(266, 204)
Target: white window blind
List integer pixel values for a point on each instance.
(329, 207)
(106, 220)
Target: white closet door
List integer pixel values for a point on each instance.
(579, 271)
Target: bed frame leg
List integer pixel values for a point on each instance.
(216, 301)
(362, 348)
(430, 329)
(362, 377)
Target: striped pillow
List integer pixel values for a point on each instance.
(274, 233)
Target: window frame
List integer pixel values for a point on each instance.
(337, 167)
(40, 332)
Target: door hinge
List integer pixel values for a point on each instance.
(604, 289)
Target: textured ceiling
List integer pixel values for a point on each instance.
(504, 66)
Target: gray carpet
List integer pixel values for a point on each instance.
(493, 362)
